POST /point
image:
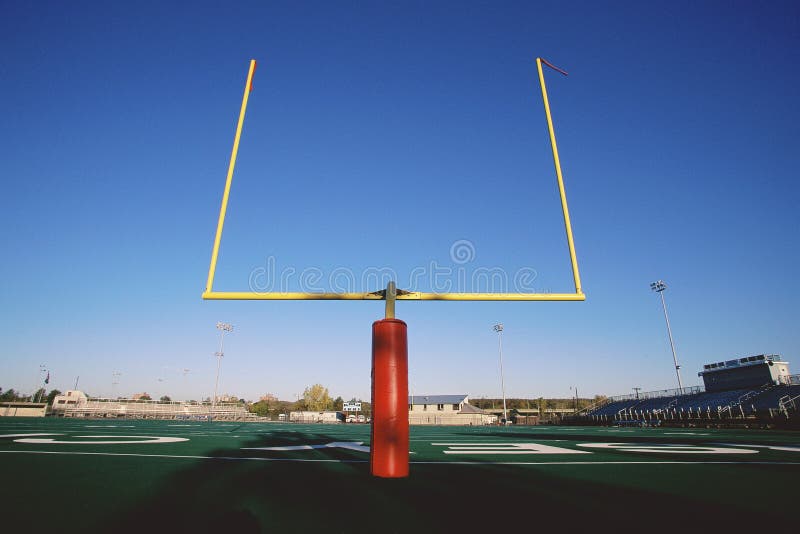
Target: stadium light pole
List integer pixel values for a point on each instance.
(222, 327)
(114, 382)
(499, 329)
(185, 372)
(659, 286)
(36, 393)
(576, 397)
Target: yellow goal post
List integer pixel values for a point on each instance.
(399, 294)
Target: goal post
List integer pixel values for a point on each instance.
(389, 443)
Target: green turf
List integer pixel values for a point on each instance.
(216, 482)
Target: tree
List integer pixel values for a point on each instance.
(260, 408)
(515, 404)
(282, 407)
(52, 395)
(39, 395)
(271, 408)
(145, 397)
(165, 398)
(338, 404)
(316, 398)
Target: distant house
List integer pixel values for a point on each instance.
(70, 398)
(446, 410)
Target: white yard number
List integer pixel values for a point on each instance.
(93, 440)
(505, 448)
(657, 448)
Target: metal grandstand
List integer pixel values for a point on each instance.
(141, 409)
(771, 402)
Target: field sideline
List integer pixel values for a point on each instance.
(125, 476)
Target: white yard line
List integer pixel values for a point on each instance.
(27, 435)
(788, 448)
(233, 458)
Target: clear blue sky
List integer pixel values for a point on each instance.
(377, 136)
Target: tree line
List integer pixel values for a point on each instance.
(537, 404)
(40, 395)
(315, 398)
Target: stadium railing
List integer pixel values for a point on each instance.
(791, 380)
(691, 390)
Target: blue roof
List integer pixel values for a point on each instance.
(436, 399)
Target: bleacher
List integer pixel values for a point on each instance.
(123, 408)
(711, 400)
(765, 401)
(773, 398)
(751, 387)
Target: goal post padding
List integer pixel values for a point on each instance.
(389, 433)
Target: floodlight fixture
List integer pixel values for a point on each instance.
(658, 286)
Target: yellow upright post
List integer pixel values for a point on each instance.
(221, 222)
(561, 191)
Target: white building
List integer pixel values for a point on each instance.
(446, 410)
(23, 409)
(71, 398)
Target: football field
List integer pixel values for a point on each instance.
(84, 475)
